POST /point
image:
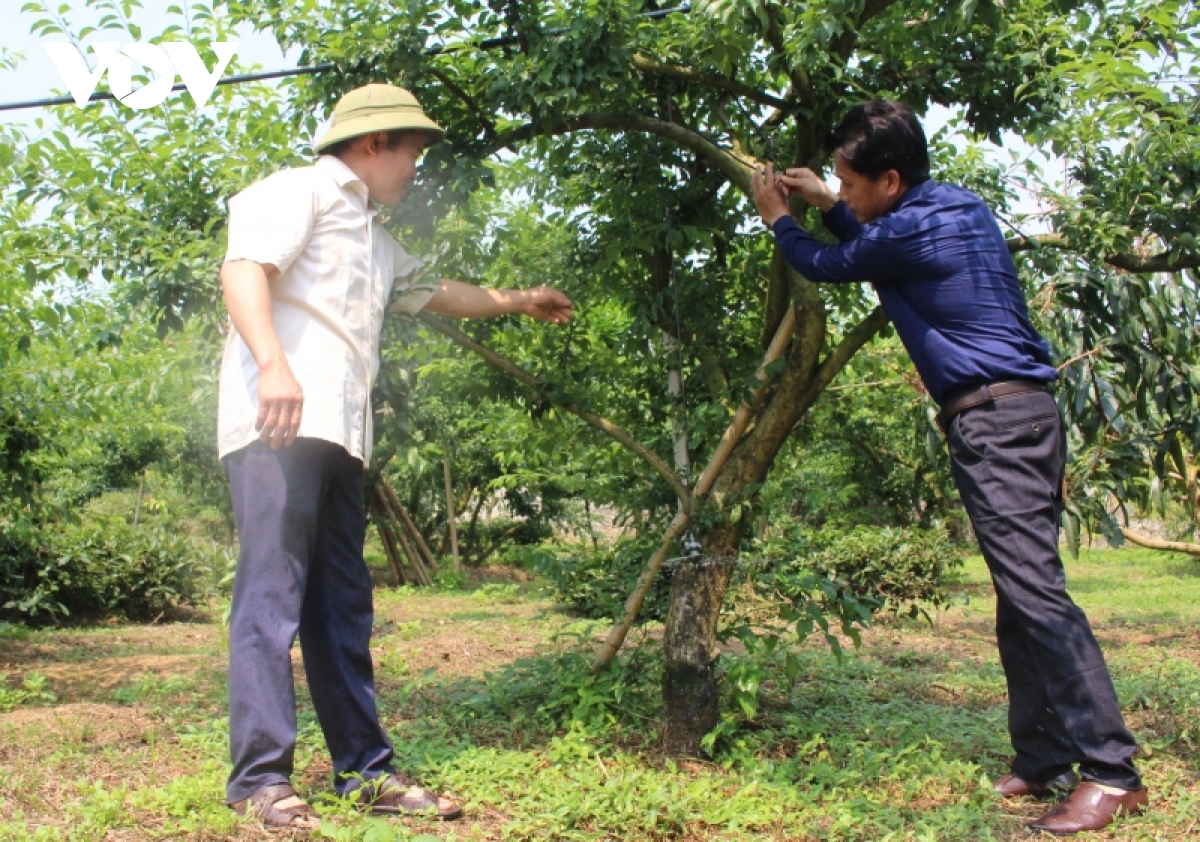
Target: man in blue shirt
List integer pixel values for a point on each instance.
(943, 273)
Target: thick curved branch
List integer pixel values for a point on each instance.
(733, 434)
(535, 385)
(1166, 261)
(801, 82)
(860, 335)
(646, 64)
(834, 363)
(1159, 544)
(735, 166)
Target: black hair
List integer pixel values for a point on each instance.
(393, 140)
(882, 135)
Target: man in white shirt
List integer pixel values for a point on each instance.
(307, 278)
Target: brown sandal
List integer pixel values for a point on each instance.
(398, 794)
(278, 808)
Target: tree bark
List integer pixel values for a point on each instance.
(379, 512)
(450, 516)
(690, 688)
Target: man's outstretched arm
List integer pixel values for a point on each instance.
(467, 301)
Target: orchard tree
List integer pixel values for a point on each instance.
(646, 127)
(633, 130)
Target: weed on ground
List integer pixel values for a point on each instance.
(120, 733)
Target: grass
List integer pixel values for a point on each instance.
(119, 733)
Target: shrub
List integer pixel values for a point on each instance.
(597, 582)
(891, 566)
(124, 571)
(499, 535)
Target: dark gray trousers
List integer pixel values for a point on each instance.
(1008, 458)
(301, 523)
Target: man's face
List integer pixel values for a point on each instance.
(867, 198)
(393, 170)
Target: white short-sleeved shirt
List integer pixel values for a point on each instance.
(337, 269)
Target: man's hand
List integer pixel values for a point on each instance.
(546, 304)
(810, 187)
(280, 405)
(246, 285)
(769, 197)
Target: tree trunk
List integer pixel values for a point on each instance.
(690, 690)
(450, 516)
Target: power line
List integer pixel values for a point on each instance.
(308, 70)
(100, 96)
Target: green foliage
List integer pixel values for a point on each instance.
(116, 571)
(449, 579)
(32, 691)
(894, 567)
(829, 580)
(596, 581)
(890, 568)
(550, 175)
(547, 694)
(919, 713)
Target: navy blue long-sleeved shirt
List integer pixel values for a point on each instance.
(945, 278)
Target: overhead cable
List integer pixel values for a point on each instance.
(308, 70)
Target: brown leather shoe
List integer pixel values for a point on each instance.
(1010, 786)
(1090, 808)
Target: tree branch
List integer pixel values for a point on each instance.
(733, 434)
(801, 83)
(535, 385)
(646, 64)
(488, 123)
(1158, 544)
(859, 336)
(834, 363)
(1165, 261)
(736, 166)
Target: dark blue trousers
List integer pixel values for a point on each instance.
(1008, 458)
(301, 524)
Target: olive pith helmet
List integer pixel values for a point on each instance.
(377, 108)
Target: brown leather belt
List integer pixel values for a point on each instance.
(963, 401)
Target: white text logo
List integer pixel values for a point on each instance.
(164, 60)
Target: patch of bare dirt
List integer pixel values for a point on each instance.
(104, 676)
(84, 647)
(461, 640)
(77, 722)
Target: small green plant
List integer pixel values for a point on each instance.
(547, 693)
(33, 690)
(114, 571)
(448, 579)
(148, 687)
(497, 592)
(13, 631)
(894, 568)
